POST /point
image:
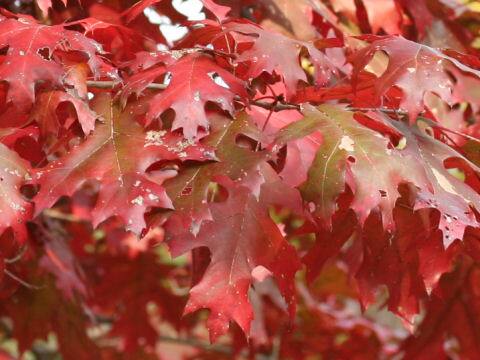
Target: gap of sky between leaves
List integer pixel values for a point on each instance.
(172, 32)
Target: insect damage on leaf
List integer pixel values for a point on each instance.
(284, 179)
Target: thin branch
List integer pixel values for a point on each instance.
(177, 54)
(102, 84)
(112, 84)
(288, 106)
(275, 106)
(466, 136)
(21, 281)
(224, 349)
(381, 109)
(198, 344)
(55, 214)
(16, 257)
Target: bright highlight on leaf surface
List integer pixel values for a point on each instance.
(279, 179)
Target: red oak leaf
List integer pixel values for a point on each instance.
(35, 314)
(451, 312)
(300, 152)
(59, 260)
(362, 158)
(243, 240)
(448, 194)
(383, 14)
(322, 321)
(130, 310)
(14, 209)
(370, 172)
(219, 11)
(273, 52)
(119, 41)
(293, 16)
(146, 67)
(29, 59)
(44, 112)
(189, 190)
(166, 8)
(131, 13)
(117, 154)
(195, 80)
(414, 68)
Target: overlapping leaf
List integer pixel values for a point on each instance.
(35, 315)
(195, 80)
(28, 60)
(451, 196)
(221, 158)
(365, 160)
(14, 209)
(117, 154)
(132, 320)
(45, 112)
(273, 52)
(452, 313)
(414, 68)
(244, 242)
(189, 190)
(355, 155)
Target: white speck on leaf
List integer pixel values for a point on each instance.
(346, 143)
(154, 137)
(138, 200)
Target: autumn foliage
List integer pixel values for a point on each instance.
(285, 179)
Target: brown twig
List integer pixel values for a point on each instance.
(112, 84)
(55, 214)
(16, 257)
(380, 109)
(21, 281)
(198, 344)
(274, 106)
(224, 349)
(466, 136)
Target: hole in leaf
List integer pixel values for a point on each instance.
(29, 190)
(246, 142)
(216, 193)
(186, 191)
(279, 163)
(167, 78)
(163, 170)
(45, 53)
(378, 64)
(167, 118)
(217, 79)
(307, 65)
(402, 143)
(429, 131)
(457, 173)
(278, 214)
